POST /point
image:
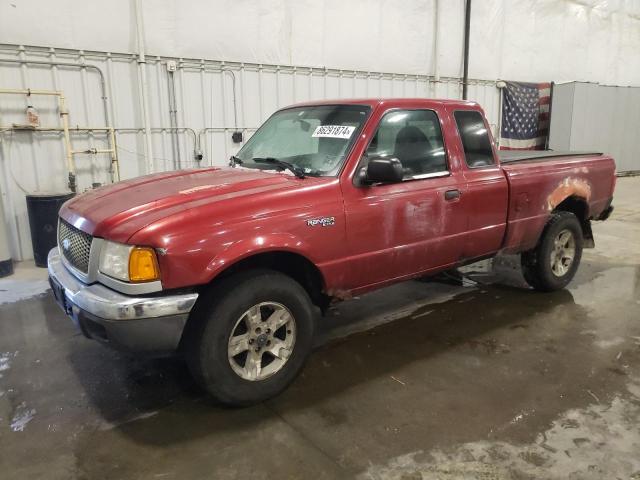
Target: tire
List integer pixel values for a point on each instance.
(547, 267)
(230, 311)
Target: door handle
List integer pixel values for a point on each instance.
(452, 194)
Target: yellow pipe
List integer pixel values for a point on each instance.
(92, 151)
(114, 156)
(64, 115)
(29, 91)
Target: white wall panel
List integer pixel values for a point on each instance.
(206, 115)
(587, 116)
(527, 40)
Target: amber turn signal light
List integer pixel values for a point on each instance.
(143, 265)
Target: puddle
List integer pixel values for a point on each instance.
(12, 291)
(21, 417)
(599, 441)
(5, 361)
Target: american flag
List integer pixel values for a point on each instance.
(525, 116)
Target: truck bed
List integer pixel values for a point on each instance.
(511, 156)
(540, 180)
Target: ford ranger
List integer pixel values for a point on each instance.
(232, 266)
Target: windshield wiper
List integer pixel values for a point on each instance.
(233, 161)
(297, 171)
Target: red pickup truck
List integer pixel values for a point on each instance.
(231, 266)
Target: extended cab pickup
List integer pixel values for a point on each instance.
(231, 265)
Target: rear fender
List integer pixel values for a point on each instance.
(573, 196)
(570, 187)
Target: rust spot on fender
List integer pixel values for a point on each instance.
(567, 188)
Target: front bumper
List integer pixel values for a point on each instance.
(152, 324)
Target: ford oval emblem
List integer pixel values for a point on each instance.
(66, 243)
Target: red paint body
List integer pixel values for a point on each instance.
(208, 219)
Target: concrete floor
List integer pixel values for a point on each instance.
(421, 380)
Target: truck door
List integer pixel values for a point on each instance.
(400, 229)
(487, 194)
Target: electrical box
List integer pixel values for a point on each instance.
(236, 137)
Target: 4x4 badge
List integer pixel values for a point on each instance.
(322, 221)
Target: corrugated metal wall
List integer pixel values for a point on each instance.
(588, 116)
(208, 112)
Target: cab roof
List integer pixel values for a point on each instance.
(374, 102)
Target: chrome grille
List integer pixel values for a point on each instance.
(75, 245)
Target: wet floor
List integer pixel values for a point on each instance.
(448, 380)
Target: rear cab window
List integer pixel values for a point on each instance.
(413, 137)
(475, 138)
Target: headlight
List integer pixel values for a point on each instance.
(129, 263)
(114, 260)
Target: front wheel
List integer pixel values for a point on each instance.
(251, 339)
(554, 262)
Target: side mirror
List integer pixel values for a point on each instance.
(383, 170)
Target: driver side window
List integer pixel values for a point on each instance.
(413, 137)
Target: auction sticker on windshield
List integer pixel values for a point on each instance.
(333, 131)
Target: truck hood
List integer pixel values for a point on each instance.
(118, 211)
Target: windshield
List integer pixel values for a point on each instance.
(314, 139)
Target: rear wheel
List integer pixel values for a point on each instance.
(251, 340)
(554, 262)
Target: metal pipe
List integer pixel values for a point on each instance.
(103, 85)
(78, 128)
(173, 120)
(55, 129)
(203, 90)
(104, 97)
(115, 164)
(224, 115)
(436, 33)
(224, 129)
(87, 110)
(160, 129)
(29, 91)
(260, 117)
(67, 130)
(92, 151)
(204, 131)
(183, 102)
(235, 103)
(467, 30)
(500, 85)
(143, 87)
(196, 140)
(546, 141)
(191, 63)
(64, 115)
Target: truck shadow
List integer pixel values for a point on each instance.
(156, 402)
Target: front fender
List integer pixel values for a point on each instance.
(248, 247)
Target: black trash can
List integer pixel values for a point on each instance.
(43, 211)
